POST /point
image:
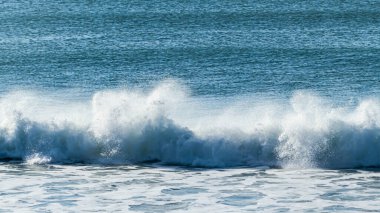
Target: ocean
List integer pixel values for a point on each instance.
(190, 106)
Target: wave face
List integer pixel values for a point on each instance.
(169, 126)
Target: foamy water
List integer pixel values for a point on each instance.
(171, 127)
(78, 188)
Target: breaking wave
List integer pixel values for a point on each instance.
(169, 126)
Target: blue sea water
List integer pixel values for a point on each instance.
(162, 105)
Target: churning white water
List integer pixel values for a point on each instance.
(169, 126)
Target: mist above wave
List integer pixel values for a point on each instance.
(168, 125)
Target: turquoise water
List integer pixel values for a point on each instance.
(217, 48)
(203, 90)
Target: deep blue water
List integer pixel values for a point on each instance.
(217, 48)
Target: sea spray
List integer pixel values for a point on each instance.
(127, 126)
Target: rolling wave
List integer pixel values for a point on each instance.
(169, 126)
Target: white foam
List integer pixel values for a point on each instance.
(37, 159)
(165, 124)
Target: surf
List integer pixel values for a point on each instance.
(168, 125)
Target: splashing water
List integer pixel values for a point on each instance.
(121, 126)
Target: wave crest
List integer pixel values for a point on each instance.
(169, 126)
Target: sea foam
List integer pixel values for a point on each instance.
(170, 126)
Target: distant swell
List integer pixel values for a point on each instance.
(171, 127)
